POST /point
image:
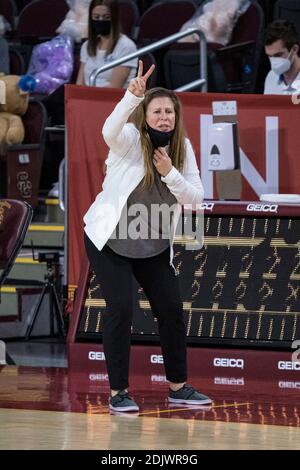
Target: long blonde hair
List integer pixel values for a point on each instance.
(177, 150)
(93, 40)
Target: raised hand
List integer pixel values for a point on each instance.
(137, 85)
(162, 161)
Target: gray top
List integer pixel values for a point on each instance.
(144, 226)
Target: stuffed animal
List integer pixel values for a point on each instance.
(13, 105)
(75, 23)
(216, 19)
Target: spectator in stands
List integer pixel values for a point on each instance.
(150, 166)
(282, 48)
(106, 43)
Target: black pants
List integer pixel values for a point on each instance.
(157, 278)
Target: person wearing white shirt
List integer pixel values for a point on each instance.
(282, 47)
(150, 165)
(105, 44)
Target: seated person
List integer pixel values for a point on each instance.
(105, 44)
(282, 47)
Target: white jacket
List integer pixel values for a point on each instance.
(125, 170)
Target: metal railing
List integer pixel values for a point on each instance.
(157, 45)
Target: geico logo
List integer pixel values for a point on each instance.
(207, 206)
(98, 377)
(288, 365)
(96, 356)
(262, 207)
(229, 381)
(156, 359)
(225, 362)
(293, 385)
(158, 378)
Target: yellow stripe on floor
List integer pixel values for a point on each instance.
(194, 407)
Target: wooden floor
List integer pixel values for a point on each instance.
(60, 408)
(28, 429)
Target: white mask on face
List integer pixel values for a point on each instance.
(280, 65)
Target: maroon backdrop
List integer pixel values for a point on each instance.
(88, 107)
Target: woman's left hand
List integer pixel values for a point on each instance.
(162, 161)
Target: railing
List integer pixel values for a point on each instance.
(157, 45)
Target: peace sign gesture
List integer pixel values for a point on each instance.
(137, 85)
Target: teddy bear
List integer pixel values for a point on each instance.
(13, 105)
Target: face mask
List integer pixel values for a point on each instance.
(159, 138)
(280, 65)
(101, 27)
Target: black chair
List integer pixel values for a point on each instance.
(129, 15)
(240, 58)
(20, 4)
(163, 19)
(16, 62)
(268, 9)
(148, 60)
(288, 10)
(232, 68)
(39, 20)
(182, 66)
(9, 10)
(15, 217)
(160, 20)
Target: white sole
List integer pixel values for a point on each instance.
(190, 407)
(124, 408)
(190, 402)
(129, 414)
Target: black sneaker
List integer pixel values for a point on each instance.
(122, 402)
(189, 396)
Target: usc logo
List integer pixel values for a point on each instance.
(3, 205)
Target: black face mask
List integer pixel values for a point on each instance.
(159, 138)
(101, 27)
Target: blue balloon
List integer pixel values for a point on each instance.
(27, 83)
